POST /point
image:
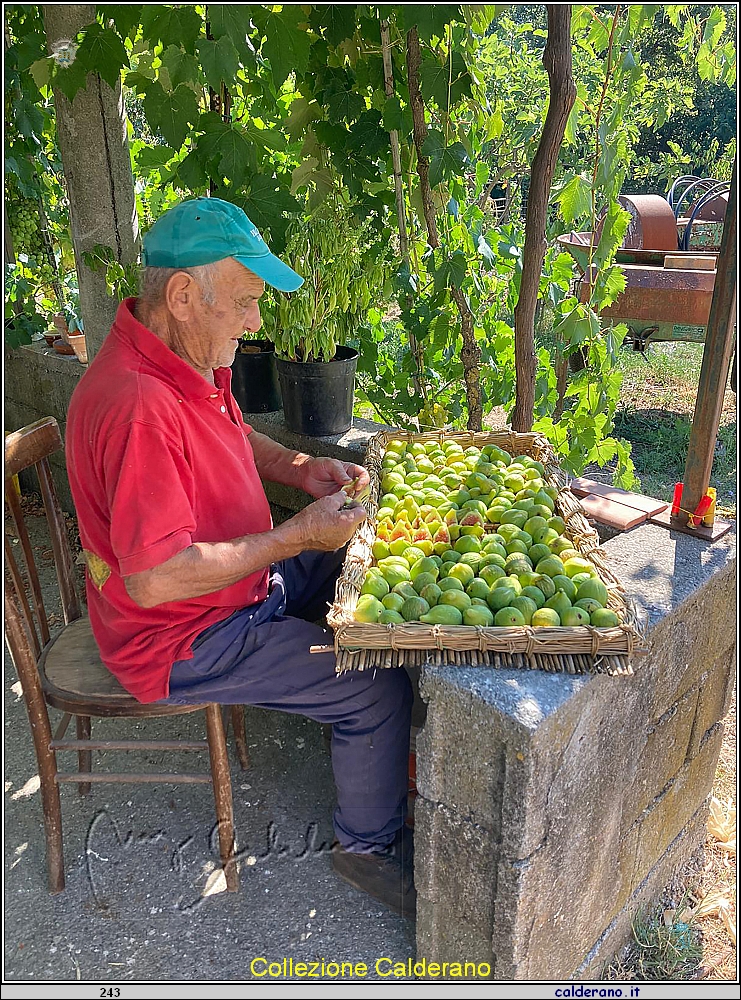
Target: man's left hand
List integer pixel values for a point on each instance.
(324, 476)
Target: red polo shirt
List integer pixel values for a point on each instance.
(157, 459)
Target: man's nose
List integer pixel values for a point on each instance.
(254, 321)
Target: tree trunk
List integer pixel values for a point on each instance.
(94, 146)
(471, 352)
(557, 61)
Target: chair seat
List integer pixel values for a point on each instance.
(75, 678)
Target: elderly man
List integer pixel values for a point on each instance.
(193, 595)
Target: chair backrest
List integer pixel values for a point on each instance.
(30, 447)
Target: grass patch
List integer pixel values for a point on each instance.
(660, 441)
(664, 946)
(655, 414)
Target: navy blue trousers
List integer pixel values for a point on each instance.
(260, 656)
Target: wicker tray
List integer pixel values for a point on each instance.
(574, 650)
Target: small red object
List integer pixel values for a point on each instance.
(700, 511)
(677, 498)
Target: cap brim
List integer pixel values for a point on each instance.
(273, 271)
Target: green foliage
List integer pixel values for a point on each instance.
(343, 263)
(284, 110)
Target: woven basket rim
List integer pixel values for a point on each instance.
(625, 640)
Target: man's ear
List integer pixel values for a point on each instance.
(181, 293)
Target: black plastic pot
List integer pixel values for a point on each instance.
(255, 379)
(318, 395)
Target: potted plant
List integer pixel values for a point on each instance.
(255, 377)
(344, 264)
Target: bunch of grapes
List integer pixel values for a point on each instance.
(25, 228)
(23, 218)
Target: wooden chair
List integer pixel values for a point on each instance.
(67, 673)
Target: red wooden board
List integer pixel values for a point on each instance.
(649, 505)
(617, 515)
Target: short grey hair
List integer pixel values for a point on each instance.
(153, 281)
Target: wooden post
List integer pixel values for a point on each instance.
(716, 358)
(557, 61)
(388, 80)
(94, 146)
(470, 351)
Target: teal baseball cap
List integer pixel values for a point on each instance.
(203, 230)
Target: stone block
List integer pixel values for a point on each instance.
(460, 869)
(445, 938)
(671, 811)
(549, 902)
(286, 496)
(348, 447)
(686, 845)
(714, 694)
(475, 751)
(661, 756)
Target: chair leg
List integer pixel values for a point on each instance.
(84, 757)
(50, 802)
(222, 794)
(239, 726)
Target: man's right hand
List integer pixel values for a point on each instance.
(327, 524)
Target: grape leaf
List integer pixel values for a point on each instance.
(28, 119)
(715, 25)
(41, 72)
(285, 44)
(268, 138)
(125, 16)
(232, 21)
(150, 157)
(337, 20)
(445, 161)
(334, 137)
(396, 118)
(482, 176)
(302, 174)
(171, 25)
(102, 51)
(70, 79)
(495, 124)
(575, 198)
(300, 114)
(181, 65)
(451, 271)
(368, 136)
(430, 19)
(171, 113)
(190, 172)
(436, 79)
(267, 205)
(219, 60)
(227, 146)
(346, 105)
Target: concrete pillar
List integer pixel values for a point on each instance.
(93, 141)
(551, 807)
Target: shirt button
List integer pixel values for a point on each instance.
(223, 409)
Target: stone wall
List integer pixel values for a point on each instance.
(39, 383)
(551, 807)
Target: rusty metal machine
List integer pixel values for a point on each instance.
(668, 257)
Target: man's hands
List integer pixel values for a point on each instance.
(322, 477)
(327, 524)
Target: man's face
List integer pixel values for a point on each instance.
(215, 328)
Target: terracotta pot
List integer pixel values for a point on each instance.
(77, 340)
(61, 348)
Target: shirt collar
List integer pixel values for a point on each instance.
(186, 380)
